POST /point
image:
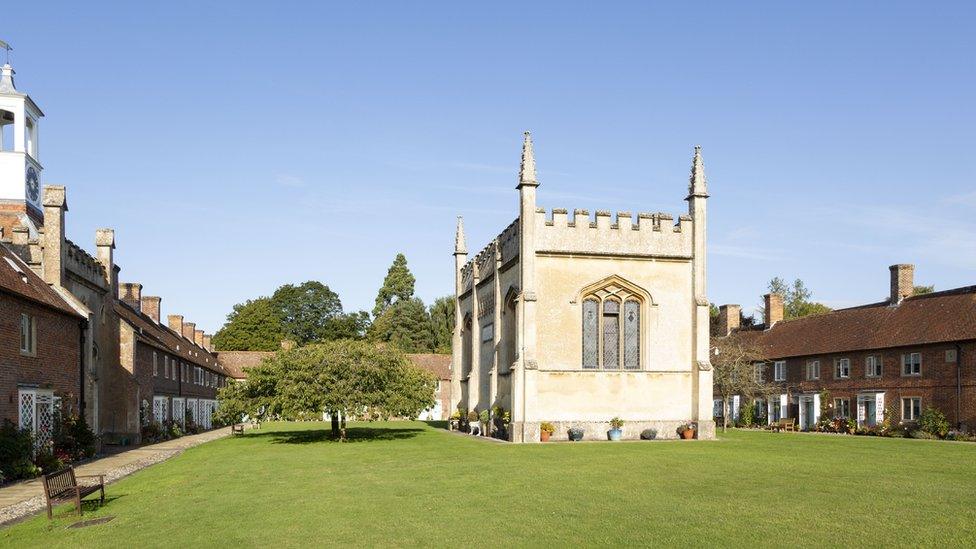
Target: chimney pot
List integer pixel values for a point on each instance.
(728, 319)
(902, 282)
(150, 306)
(774, 309)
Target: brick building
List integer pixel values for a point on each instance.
(114, 347)
(40, 349)
(898, 356)
(440, 366)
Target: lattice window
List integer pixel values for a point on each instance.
(611, 318)
(631, 334)
(27, 410)
(591, 325)
(44, 419)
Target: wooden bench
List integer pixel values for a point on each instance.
(785, 424)
(63, 486)
(237, 429)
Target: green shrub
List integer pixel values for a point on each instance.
(933, 422)
(47, 462)
(73, 440)
(16, 447)
(918, 433)
(747, 415)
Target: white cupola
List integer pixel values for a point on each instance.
(20, 167)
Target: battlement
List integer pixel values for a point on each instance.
(483, 263)
(82, 264)
(653, 234)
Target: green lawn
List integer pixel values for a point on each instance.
(407, 484)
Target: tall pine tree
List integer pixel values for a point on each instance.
(397, 286)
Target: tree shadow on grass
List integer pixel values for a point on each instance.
(353, 434)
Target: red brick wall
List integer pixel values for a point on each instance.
(936, 386)
(56, 364)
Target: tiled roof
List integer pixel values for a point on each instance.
(938, 317)
(235, 362)
(165, 338)
(438, 364)
(17, 278)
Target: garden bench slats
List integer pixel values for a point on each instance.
(62, 486)
(785, 424)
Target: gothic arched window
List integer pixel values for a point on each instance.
(611, 329)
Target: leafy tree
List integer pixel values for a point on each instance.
(921, 290)
(406, 325)
(347, 326)
(442, 323)
(306, 310)
(252, 326)
(734, 372)
(342, 378)
(397, 286)
(796, 299)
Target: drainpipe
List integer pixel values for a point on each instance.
(958, 386)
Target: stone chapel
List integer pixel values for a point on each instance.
(576, 320)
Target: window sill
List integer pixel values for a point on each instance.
(28, 353)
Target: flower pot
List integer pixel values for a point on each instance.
(544, 436)
(688, 434)
(575, 435)
(615, 434)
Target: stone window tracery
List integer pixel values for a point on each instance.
(611, 325)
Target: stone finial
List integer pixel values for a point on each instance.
(527, 174)
(697, 184)
(460, 247)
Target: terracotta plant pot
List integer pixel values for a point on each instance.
(544, 436)
(690, 433)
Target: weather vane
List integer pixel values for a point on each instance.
(6, 47)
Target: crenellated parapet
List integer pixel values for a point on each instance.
(83, 265)
(485, 260)
(651, 235)
(508, 241)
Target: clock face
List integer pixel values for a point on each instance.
(33, 185)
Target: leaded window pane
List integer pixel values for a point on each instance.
(611, 335)
(590, 328)
(632, 335)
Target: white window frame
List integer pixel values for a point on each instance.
(914, 416)
(873, 366)
(840, 365)
(838, 409)
(779, 370)
(813, 370)
(906, 360)
(28, 335)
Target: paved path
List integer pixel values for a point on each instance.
(26, 498)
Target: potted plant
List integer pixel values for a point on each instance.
(649, 434)
(485, 417)
(546, 430)
(687, 431)
(473, 422)
(455, 422)
(575, 434)
(615, 431)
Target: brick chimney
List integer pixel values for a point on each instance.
(198, 338)
(207, 344)
(728, 319)
(773, 303)
(188, 329)
(150, 306)
(55, 204)
(105, 252)
(131, 294)
(902, 282)
(175, 323)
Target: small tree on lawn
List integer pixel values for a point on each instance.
(734, 372)
(341, 378)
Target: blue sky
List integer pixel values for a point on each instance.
(238, 146)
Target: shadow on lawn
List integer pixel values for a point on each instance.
(353, 434)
